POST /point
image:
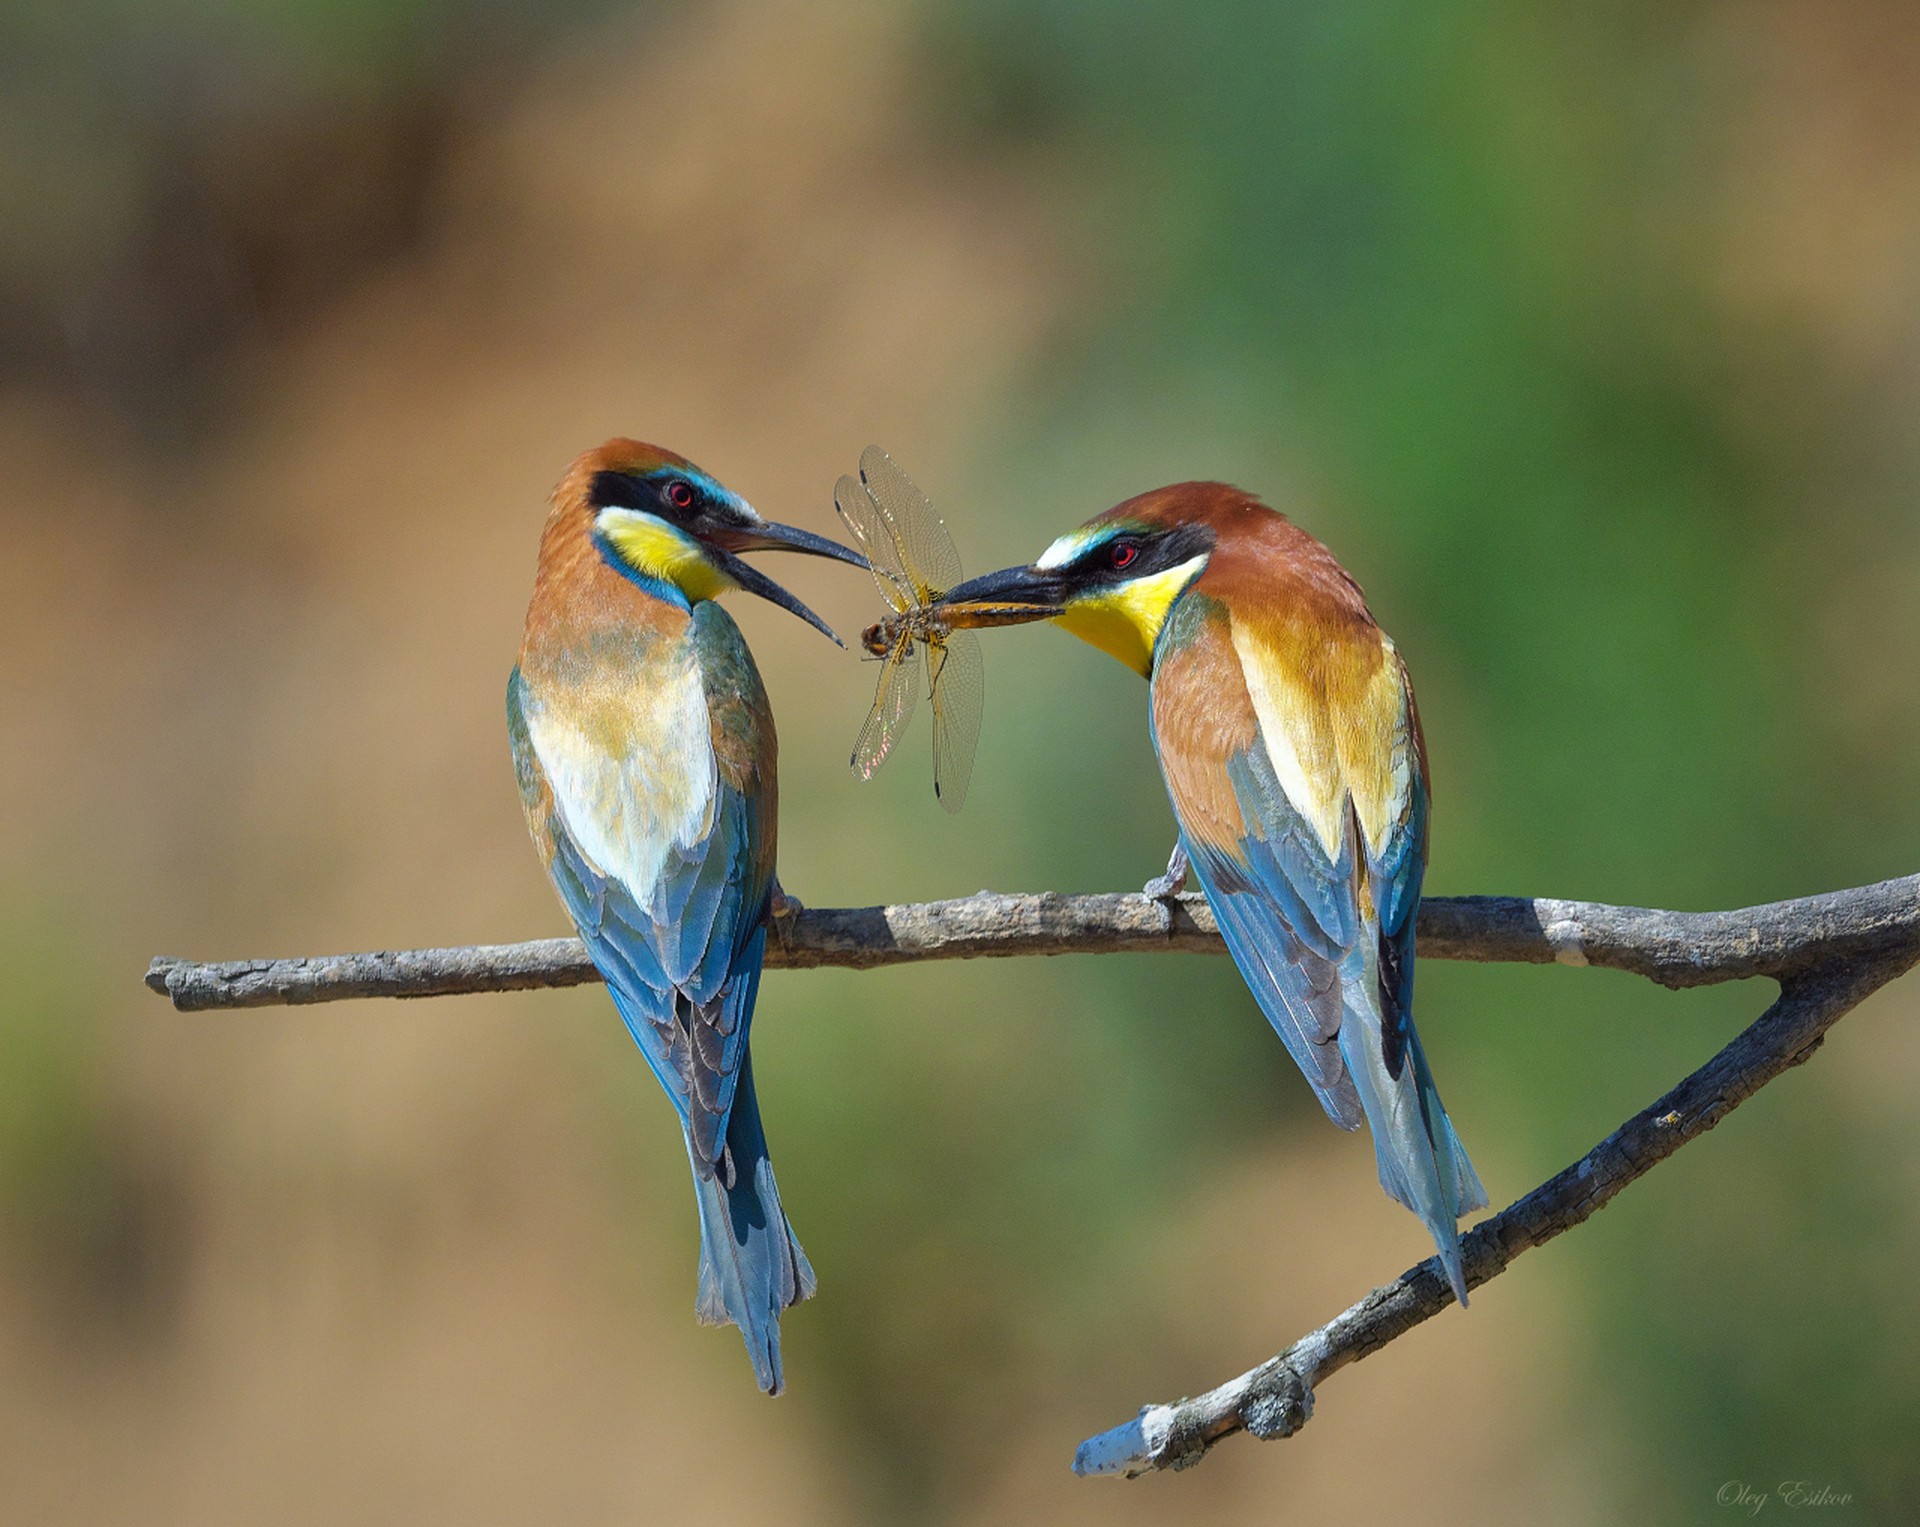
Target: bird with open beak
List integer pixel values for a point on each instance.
(1286, 731)
(645, 752)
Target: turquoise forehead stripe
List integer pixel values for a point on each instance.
(1077, 543)
(709, 485)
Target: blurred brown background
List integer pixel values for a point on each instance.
(1589, 338)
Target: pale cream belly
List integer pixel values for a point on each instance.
(628, 753)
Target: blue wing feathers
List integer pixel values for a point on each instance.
(1336, 981)
(1400, 869)
(751, 1264)
(1286, 913)
(684, 972)
(1421, 1161)
(1314, 892)
(1296, 989)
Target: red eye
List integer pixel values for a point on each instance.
(680, 494)
(1125, 554)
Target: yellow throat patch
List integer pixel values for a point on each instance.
(1124, 620)
(654, 549)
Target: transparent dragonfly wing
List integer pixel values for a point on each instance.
(927, 552)
(893, 701)
(885, 550)
(958, 684)
(914, 562)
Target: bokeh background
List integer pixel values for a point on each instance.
(1588, 335)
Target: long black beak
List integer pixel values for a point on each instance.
(756, 582)
(768, 536)
(1010, 597)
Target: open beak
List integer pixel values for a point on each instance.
(1010, 597)
(768, 536)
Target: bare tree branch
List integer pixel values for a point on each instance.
(1673, 948)
(1828, 952)
(1276, 1398)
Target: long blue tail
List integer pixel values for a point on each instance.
(1422, 1162)
(751, 1266)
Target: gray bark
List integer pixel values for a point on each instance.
(1827, 952)
(1276, 1398)
(1674, 948)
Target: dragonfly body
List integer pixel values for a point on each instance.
(883, 637)
(913, 563)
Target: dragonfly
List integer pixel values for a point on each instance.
(913, 563)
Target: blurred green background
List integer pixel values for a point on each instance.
(1589, 337)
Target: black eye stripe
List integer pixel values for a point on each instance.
(674, 496)
(1141, 553)
(613, 490)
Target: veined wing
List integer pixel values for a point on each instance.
(885, 547)
(893, 701)
(957, 686)
(927, 551)
(914, 562)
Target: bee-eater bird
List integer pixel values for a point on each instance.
(645, 752)
(1285, 727)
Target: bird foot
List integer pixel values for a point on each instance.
(1166, 887)
(780, 904)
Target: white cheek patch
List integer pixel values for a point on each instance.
(1064, 550)
(614, 521)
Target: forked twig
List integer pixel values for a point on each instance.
(1828, 953)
